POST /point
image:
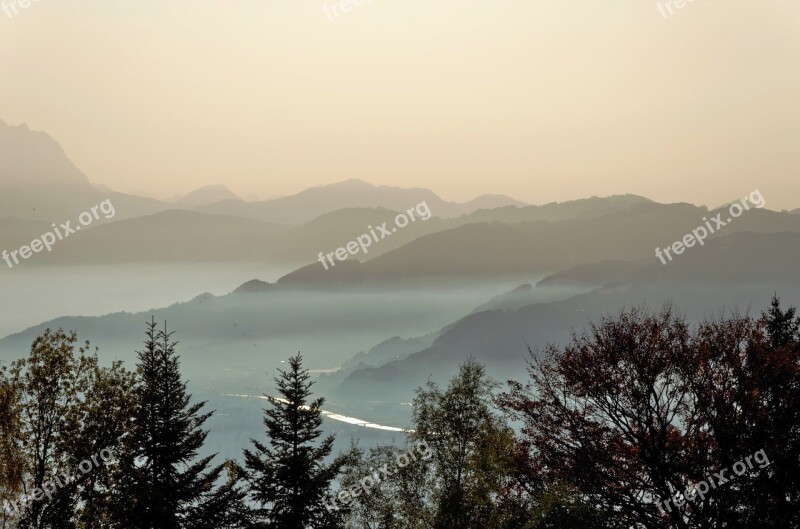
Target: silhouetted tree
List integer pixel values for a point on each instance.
(165, 484)
(638, 408)
(289, 479)
(783, 327)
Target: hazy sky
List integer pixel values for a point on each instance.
(539, 99)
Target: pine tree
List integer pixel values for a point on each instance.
(168, 486)
(783, 326)
(289, 479)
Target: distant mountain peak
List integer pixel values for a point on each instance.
(33, 158)
(363, 184)
(356, 181)
(207, 195)
(254, 286)
(491, 201)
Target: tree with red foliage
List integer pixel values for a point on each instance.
(640, 408)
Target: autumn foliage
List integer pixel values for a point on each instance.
(642, 406)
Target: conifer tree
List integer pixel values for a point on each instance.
(783, 326)
(168, 486)
(290, 479)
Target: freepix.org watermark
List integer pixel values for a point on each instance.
(59, 233)
(52, 486)
(665, 7)
(345, 6)
(12, 7)
(367, 483)
(365, 240)
(700, 489)
(701, 233)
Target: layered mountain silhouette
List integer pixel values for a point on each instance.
(488, 278)
(491, 249)
(353, 193)
(730, 268)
